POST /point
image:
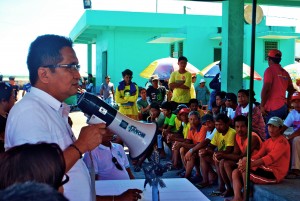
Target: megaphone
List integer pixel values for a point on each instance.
(136, 135)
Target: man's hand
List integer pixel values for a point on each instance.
(263, 111)
(188, 156)
(91, 136)
(129, 195)
(177, 145)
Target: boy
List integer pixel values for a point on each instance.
(143, 105)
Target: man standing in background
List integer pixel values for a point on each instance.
(180, 82)
(277, 82)
(107, 91)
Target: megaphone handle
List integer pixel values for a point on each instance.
(93, 176)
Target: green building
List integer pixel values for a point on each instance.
(134, 39)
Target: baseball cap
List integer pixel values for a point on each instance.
(274, 53)
(154, 77)
(179, 107)
(184, 110)
(231, 96)
(275, 121)
(11, 78)
(202, 80)
(206, 118)
(296, 96)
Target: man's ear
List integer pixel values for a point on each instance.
(43, 74)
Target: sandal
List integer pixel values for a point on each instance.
(203, 185)
(216, 193)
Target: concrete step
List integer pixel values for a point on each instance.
(288, 190)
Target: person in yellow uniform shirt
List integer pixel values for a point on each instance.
(180, 82)
(127, 95)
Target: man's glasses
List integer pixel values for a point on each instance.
(117, 164)
(69, 66)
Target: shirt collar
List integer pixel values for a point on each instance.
(46, 98)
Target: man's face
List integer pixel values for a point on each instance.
(210, 125)
(127, 79)
(221, 126)
(274, 131)
(166, 112)
(154, 113)
(155, 83)
(7, 105)
(107, 80)
(63, 82)
(194, 120)
(194, 107)
(243, 100)
(143, 94)
(219, 101)
(296, 104)
(241, 128)
(184, 117)
(182, 64)
(228, 103)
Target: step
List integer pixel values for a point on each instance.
(287, 190)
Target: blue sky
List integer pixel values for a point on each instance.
(21, 21)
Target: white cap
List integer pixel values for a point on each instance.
(202, 80)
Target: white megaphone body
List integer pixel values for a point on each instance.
(136, 135)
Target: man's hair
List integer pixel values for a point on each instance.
(221, 94)
(240, 118)
(41, 162)
(127, 72)
(45, 50)
(182, 58)
(222, 117)
(193, 100)
(30, 191)
(142, 89)
(194, 113)
(275, 60)
(5, 91)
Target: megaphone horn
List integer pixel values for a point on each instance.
(136, 135)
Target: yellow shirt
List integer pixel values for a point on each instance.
(181, 95)
(186, 128)
(127, 103)
(224, 141)
(177, 123)
(192, 91)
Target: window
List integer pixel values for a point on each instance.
(269, 45)
(180, 49)
(172, 49)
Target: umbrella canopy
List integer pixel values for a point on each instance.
(293, 70)
(212, 69)
(164, 67)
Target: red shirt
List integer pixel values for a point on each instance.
(276, 156)
(197, 135)
(279, 80)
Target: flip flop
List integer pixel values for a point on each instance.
(215, 193)
(203, 185)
